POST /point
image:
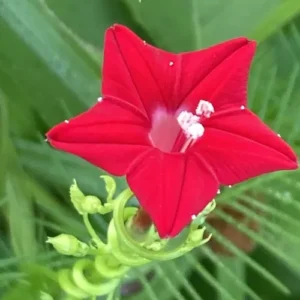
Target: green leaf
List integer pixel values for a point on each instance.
(188, 25)
(39, 280)
(90, 20)
(4, 136)
(34, 46)
(280, 16)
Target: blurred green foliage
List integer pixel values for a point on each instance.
(50, 59)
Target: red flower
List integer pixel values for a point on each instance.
(175, 124)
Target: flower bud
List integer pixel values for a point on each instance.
(84, 204)
(91, 205)
(68, 245)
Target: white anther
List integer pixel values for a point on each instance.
(144, 42)
(195, 131)
(242, 107)
(189, 124)
(171, 63)
(99, 99)
(218, 192)
(204, 108)
(46, 140)
(194, 217)
(278, 135)
(186, 119)
(230, 186)
(67, 121)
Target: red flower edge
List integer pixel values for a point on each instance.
(134, 129)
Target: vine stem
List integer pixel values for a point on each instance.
(92, 232)
(119, 216)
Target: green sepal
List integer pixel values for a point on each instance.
(110, 186)
(77, 197)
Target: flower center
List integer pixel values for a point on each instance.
(176, 133)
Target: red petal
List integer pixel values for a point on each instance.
(238, 146)
(111, 135)
(218, 74)
(171, 188)
(137, 72)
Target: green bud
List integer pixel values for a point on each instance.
(110, 186)
(68, 245)
(85, 204)
(91, 205)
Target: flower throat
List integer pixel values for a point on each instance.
(171, 133)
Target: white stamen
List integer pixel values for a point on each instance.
(194, 217)
(195, 131)
(218, 192)
(171, 63)
(144, 42)
(205, 108)
(186, 119)
(278, 135)
(230, 186)
(242, 107)
(190, 126)
(67, 121)
(46, 140)
(99, 99)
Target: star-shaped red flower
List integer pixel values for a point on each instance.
(175, 124)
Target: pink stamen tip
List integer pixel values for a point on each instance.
(205, 108)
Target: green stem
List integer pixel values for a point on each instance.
(120, 217)
(100, 288)
(128, 259)
(93, 234)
